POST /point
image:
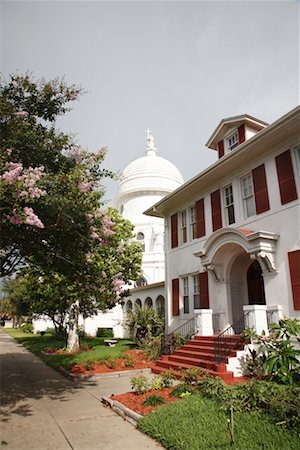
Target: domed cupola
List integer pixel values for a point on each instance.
(149, 175)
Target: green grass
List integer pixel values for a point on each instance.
(35, 343)
(196, 423)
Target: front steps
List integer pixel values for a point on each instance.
(200, 352)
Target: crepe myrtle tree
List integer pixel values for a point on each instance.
(53, 215)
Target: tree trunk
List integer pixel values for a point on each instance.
(73, 338)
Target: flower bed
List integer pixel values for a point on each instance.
(135, 402)
(132, 360)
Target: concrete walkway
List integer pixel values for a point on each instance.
(42, 410)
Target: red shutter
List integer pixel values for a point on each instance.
(242, 134)
(174, 230)
(216, 212)
(286, 178)
(221, 149)
(260, 189)
(203, 286)
(175, 297)
(200, 218)
(294, 261)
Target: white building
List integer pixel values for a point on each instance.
(144, 182)
(233, 231)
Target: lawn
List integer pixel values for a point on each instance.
(197, 423)
(99, 351)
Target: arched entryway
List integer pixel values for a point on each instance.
(148, 302)
(137, 304)
(255, 284)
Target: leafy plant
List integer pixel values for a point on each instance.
(129, 362)
(152, 347)
(140, 384)
(168, 377)
(154, 400)
(144, 323)
(157, 383)
(89, 364)
(105, 332)
(111, 362)
(185, 394)
(181, 389)
(27, 328)
(191, 376)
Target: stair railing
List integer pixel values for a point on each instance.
(223, 342)
(178, 336)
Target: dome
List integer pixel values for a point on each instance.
(149, 174)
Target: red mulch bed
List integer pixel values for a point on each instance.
(135, 402)
(139, 361)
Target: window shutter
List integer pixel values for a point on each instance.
(175, 297)
(200, 218)
(216, 212)
(174, 230)
(260, 189)
(242, 134)
(203, 286)
(221, 149)
(286, 180)
(294, 262)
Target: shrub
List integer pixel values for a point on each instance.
(191, 376)
(140, 384)
(144, 323)
(168, 378)
(89, 364)
(111, 362)
(129, 362)
(157, 383)
(154, 400)
(105, 332)
(152, 348)
(275, 355)
(27, 328)
(181, 389)
(85, 347)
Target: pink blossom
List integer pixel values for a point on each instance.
(95, 236)
(89, 217)
(23, 194)
(104, 274)
(32, 219)
(88, 257)
(117, 285)
(13, 172)
(120, 249)
(86, 186)
(9, 151)
(22, 115)
(15, 219)
(99, 213)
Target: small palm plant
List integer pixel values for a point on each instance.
(144, 323)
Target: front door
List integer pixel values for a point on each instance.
(255, 282)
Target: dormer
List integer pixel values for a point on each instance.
(233, 131)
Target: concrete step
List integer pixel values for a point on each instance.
(207, 364)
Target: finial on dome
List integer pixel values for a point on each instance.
(151, 149)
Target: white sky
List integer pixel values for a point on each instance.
(175, 67)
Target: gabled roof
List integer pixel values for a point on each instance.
(229, 122)
(287, 125)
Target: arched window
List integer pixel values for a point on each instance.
(137, 304)
(149, 302)
(141, 282)
(140, 237)
(129, 306)
(160, 305)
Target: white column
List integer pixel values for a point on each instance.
(275, 313)
(257, 318)
(204, 324)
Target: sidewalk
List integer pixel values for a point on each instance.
(42, 410)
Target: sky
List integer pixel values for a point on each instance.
(175, 67)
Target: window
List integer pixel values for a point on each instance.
(183, 227)
(229, 205)
(248, 197)
(141, 239)
(140, 282)
(186, 306)
(196, 291)
(233, 140)
(174, 231)
(193, 223)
